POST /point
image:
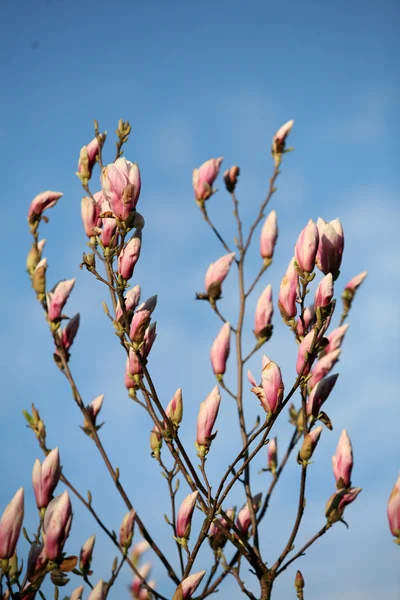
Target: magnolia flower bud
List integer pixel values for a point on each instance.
(139, 324)
(217, 538)
(129, 256)
(269, 235)
(342, 462)
(99, 591)
(220, 351)
(330, 248)
(34, 256)
(90, 212)
(279, 141)
(45, 478)
(299, 582)
(40, 203)
(185, 514)
(174, 410)
(39, 277)
(126, 530)
(273, 455)
(87, 158)
(319, 394)
(230, 178)
(206, 420)
(323, 367)
(243, 520)
(86, 554)
(155, 442)
(335, 339)
(77, 594)
(132, 300)
(338, 502)
(188, 586)
(10, 525)
(57, 299)
(303, 354)
(309, 321)
(272, 385)
(324, 294)
(216, 274)
(121, 186)
(288, 292)
(56, 525)
(306, 247)
(263, 315)
(203, 179)
(393, 511)
(309, 444)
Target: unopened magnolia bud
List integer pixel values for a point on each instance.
(309, 444)
(288, 292)
(86, 554)
(39, 277)
(188, 586)
(10, 525)
(174, 410)
(114, 180)
(45, 478)
(299, 582)
(155, 442)
(40, 203)
(393, 511)
(184, 518)
(126, 530)
(263, 315)
(230, 178)
(205, 421)
(273, 455)
(269, 235)
(279, 141)
(220, 351)
(216, 274)
(342, 462)
(243, 520)
(338, 502)
(330, 248)
(306, 247)
(203, 179)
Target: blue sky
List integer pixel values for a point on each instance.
(198, 80)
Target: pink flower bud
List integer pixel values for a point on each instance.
(86, 554)
(217, 538)
(56, 525)
(174, 410)
(36, 560)
(303, 354)
(323, 367)
(139, 324)
(95, 407)
(309, 444)
(306, 247)
(133, 370)
(126, 529)
(121, 186)
(272, 386)
(324, 294)
(319, 394)
(243, 520)
(338, 502)
(39, 277)
(355, 283)
(185, 514)
(190, 585)
(309, 321)
(335, 339)
(144, 593)
(67, 335)
(230, 178)
(57, 299)
(216, 274)
(342, 462)
(45, 478)
(136, 586)
(132, 300)
(138, 550)
(90, 212)
(149, 339)
(77, 594)
(108, 234)
(393, 511)
(269, 235)
(87, 158)
(279, 139)
(10, 525)
(288, 292)
(220, 351)
(206, 420)
(99, 592)
(129, 256)
(263, 315)
(330, 249)
(34, 256)
(273, 454)
(204, 177)
(40, 203)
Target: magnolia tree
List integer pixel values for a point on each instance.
(114, 229)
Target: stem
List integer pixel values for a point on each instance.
(208, 221)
